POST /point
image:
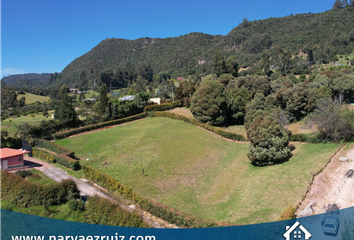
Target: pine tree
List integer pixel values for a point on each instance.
(103, 103)
(83, 80)
(219, 66)
(265, 63)
(65, 112)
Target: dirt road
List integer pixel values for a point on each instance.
(333, 189)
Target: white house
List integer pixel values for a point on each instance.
(298, 231)
(155, 100)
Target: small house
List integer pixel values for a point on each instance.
(12, 158)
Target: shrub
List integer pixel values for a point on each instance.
(288, 213)
(24, 173)
(53, 147)
(163, 106)
(54, 158)
(75, 205)
(22, 193)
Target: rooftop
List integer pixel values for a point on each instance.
(9, 152)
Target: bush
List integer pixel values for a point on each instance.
(22, 193)
(53, 147)
(74, 131)
(76, 205)
(54, 158)
(24, 173)
(163, 106)
(288, 213)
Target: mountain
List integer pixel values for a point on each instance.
(27, 80)
(327, 33)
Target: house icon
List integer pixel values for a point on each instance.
(298, 234)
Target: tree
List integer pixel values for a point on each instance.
(255, 84)
(65, 112)
(232, 66)
(209, 104)
(107, 77)
(140, 84)
(83, 80)
(63, 91)
(351, 3)
(103, 103)
(334, 121)
(337, 4)
(236, 101)
(344, 86)
(8, 98)
(185, 91)
(82, 97)
(145, 70)
(265, 63)
(269, 142)
(219, 66)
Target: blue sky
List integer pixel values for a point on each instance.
(44, 36)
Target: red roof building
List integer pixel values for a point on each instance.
(11, 158)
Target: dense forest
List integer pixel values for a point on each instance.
(324, 35)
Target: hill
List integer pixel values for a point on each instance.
(332, 29)
(26, 80)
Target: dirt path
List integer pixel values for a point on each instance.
(86, 189)
(333, 189)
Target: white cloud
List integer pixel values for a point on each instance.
(11, 71)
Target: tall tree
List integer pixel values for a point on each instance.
(103, 103)
(232, 66)
(65, 112)
(219, 66)
(265, 63)
(83, 80)
(107, 77)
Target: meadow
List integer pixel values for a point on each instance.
(10, 123)
(198, 173)
(31, 98)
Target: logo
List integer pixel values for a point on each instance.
(298, 231)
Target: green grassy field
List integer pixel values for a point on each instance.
(10, 124)
(31, 98)
(197, 172)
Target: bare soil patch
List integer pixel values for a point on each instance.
(333, 188)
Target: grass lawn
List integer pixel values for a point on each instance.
(10, 123)
(197, 172)
(31, 98)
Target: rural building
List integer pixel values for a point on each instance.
(155, 100)
(12, 158)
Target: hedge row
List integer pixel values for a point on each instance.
(163, 106)
(102, 211)
(54, 158)
(159, 210)
(74, 131)
(195, 122)
(51, 146)
(23, 193)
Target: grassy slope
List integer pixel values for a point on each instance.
(10, 124)
(201, 174)
(31, 98)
